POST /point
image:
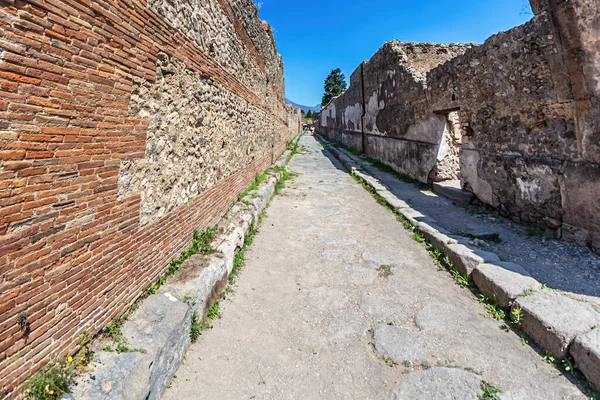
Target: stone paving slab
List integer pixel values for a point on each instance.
(307, 307)
(401, 345)
(440, 383)
(547, 321)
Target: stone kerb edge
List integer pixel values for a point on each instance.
(468, 260)
(149, 383)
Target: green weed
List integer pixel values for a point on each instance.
(461, 279)
(490, 392)
(50, 382)
(196, 329)
(492, 308)
(238, 262)
(516, 316)
(228, 290)
(405, 222)
(113, 330)
(419, 237)
(122, 348)
(549, 358)
(214, 312)
(385, 271)
(390, 363)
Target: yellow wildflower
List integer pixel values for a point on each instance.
(51, 392)
(70, 359)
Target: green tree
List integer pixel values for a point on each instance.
(309, 114)
(335, 84)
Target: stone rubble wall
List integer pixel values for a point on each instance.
(515, 119)
(124, 127)
(387, 95)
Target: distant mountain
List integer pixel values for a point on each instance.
(316, 108)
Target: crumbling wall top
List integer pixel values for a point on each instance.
(425, 56)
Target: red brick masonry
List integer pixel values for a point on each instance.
(72, 256)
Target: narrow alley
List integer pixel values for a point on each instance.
(337, 301)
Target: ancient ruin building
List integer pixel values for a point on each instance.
(516, 119)
(125, 126)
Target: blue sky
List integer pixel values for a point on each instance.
(316, 36)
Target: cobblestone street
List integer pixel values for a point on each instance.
(337, 301)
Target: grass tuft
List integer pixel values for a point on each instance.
(490, 392)
(492, 308)
(50, 382)
(214, 311)
(385, 271)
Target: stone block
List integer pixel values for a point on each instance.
(453, 191)
(437, 236)
(553, 320)
(115, 377)
(415, 217)
(504, 281)
(440, 383)
(393, 201)
(158, 336)
(466, 259)
(199, 279)
(161, 328)
(586, 353)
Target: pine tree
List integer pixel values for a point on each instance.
(335, 84)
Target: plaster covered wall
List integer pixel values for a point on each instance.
(524, 113)
(385, 109)
(517, 133)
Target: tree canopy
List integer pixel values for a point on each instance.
(335, 84)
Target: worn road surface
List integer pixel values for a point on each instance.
(312, 317)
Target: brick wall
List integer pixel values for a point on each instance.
(72, 251)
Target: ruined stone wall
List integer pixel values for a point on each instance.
(524, 146)
(517, 133)
(515, 118)
(124, 126)
(391, 91)
(575, 29)
(341, 119)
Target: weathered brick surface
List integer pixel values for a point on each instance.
(73, 253)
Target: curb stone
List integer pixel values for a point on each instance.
(158, 333)
(586, 353)
(554, 321)
(505, 282)
(466, 259)
(553, 324)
